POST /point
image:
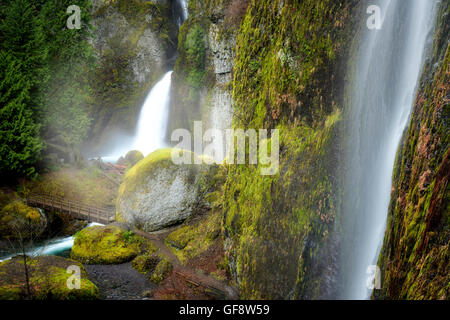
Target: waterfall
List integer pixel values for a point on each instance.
(184, 8)
(381, 95)
(152, 122)
(180, 11)
(153, 118)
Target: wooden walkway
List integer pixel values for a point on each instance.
(75, 209)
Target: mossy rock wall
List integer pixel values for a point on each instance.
(201, 88)
(290, 64)
(415, 257)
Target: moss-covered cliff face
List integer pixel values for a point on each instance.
(133, 41)
(201, 81)
(288, 74)
(415, 254)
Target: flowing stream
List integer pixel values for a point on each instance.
(380, 99)
(55, 246)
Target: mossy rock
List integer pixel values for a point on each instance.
(146, 263)
(131, 158)
(48, 280)
(106, 245)
(162, 270)
(190, 241)
(17, 216)
(157, 193)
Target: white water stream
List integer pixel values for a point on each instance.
(53, 246)
(382, 94)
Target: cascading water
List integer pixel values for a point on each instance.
(184, 8)
(54, 246)
(180, 11)
(381, 96)
(153, 118)
(152, 122)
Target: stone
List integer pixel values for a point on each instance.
(156, 193)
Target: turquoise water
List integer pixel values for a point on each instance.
(53, 247)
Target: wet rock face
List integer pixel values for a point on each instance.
(112, 29)
(221, 50)
(157, 193)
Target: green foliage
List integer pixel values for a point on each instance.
(43, 81)
(66, 95)
(195, 53)
(22, 53)
(128, 236)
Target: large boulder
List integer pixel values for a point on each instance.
(157, 193)
(106, 245)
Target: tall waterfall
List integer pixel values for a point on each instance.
(153, 118)
(181, 13)
(382, 92)
(184, 8)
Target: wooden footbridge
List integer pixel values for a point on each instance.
(75, 209)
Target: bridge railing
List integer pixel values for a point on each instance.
(74, 208)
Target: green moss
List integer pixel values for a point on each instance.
(415, 255)
(189, 241)
(18, 217)
(289, 56)
(48, 280)
(162, 270)
(105, 245)
(146, 263)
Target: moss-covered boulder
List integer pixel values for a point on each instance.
(106, 245)
(145, 263)
(19, 220)
(131, 158)
(162, 270)
(49, 278)
(157, 193)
